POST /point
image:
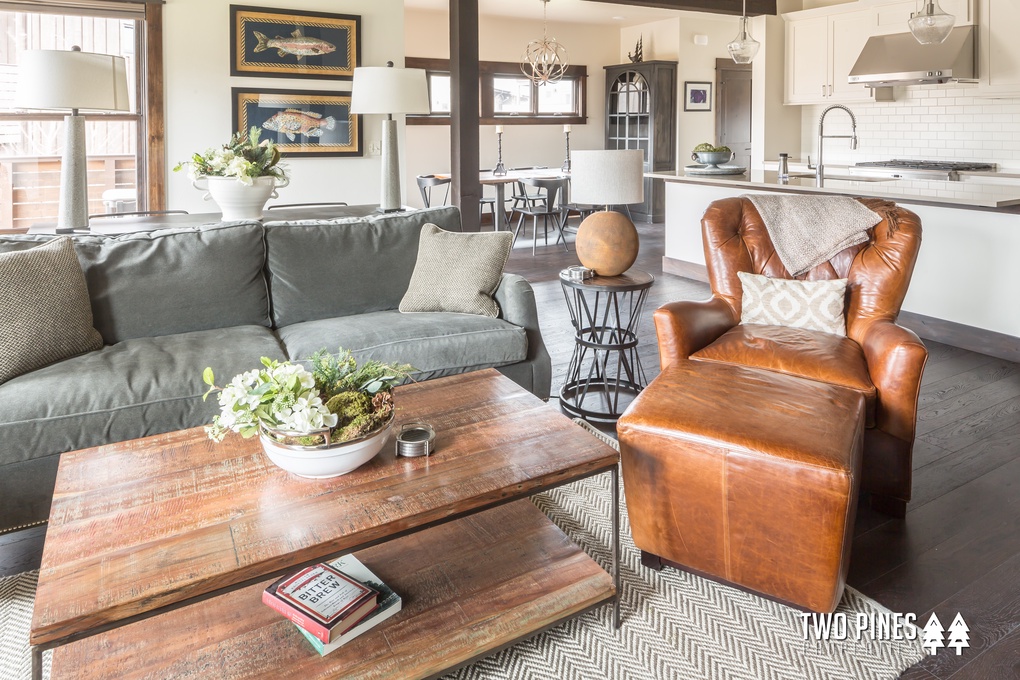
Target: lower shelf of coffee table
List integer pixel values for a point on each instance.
(469, 587)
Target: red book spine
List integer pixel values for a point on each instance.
(298, 617)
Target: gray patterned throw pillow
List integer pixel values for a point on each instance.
(45, 314)
(814, 305)
(457, 272)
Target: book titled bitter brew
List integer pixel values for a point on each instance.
(321, 600)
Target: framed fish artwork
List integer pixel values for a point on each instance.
(285, 43)
(303, 123)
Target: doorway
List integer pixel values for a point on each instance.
(733, 109)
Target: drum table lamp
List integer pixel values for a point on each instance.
(72, 80)
(607, 241)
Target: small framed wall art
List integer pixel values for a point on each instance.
(697, 96)
(303, 123)
(284, 43)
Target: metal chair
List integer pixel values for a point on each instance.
(426, 183)
(521, 195)
(307, 205)
(491, 202)
(138, 213)
(545, 206)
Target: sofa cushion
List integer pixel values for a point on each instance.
(200, 279)
(124, 391)
(349, 266)
(457, 272)
(435, 343)
(815, 355)
(45, 315)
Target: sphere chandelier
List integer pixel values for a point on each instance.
(545, 60)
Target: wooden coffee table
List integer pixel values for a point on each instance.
(158, 548)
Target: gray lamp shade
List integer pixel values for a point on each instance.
(613, 177)
(385, 89)
(64, 79)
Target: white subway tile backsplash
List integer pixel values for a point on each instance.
(930, 122)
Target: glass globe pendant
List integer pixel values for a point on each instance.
(545, 60)
(743, 48)
(931, 25)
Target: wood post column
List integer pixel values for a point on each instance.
(466, 191)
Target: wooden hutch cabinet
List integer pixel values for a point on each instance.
(641, 114)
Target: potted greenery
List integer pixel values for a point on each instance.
(240, 176)
(322, 422)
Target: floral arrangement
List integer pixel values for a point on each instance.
(244, 157)
(338, 394)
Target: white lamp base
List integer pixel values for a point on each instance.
(390, 168)
(74, 197)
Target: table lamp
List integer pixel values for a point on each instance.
(75, 80)
(607, 241)
(388, 90)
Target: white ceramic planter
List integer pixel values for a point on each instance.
(238, 201)
(324, 462)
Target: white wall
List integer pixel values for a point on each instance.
(198, 106)
(503, 39)
(932, 122)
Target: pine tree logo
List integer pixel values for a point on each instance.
(958, 637)
(932, 639)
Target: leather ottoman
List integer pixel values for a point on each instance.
(746, 476)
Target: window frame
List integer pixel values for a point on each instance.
(487, 72)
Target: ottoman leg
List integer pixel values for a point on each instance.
(894, 507)
(651, 561)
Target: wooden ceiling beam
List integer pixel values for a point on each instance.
(754, 7)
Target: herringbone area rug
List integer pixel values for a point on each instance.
(675, 626)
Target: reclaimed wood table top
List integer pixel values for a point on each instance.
(469, 586)
(141, 526)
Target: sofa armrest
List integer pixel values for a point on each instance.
(686, 326)
(516, 300)
(896, 359)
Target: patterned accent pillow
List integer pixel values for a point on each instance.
(45, 313)
(457, 272)
(815, 305)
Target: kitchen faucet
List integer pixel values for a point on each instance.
(820, 168)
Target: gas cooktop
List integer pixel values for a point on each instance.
(942, 166)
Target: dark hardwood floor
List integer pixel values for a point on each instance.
(958, 550)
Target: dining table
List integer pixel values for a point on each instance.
(499, 182)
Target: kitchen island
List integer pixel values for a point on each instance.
(964, 286)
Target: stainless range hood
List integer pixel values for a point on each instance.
(898, 59)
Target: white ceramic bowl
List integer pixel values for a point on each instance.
(322, 463)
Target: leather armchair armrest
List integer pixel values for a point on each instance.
(686, 326)
(896, 359)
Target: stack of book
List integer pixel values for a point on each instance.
(333, 603)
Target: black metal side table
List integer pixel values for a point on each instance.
(605, 373)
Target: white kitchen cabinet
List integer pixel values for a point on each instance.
(820, 51)
(998, 48)
(893, 17)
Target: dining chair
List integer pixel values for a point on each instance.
(491, 202)
(546, 207)
(307, 205)
(521, 195)
(427, 183)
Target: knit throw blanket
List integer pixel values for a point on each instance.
(808, 230)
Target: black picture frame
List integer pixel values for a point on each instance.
(308, 123)
(283, 43)
(697, 96)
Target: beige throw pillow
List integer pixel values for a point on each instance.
(457, 272)
(45, 314)
(815, 305)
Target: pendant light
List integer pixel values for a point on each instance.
(931, 25)
(743, 48)
(545, 60)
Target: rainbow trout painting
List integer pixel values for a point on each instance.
(294, 122)
(297, 45)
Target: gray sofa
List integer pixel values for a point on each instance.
(169, 303)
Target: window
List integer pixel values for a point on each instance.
(507, 96)
(31, 142)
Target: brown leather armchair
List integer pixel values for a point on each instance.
(881, 360)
